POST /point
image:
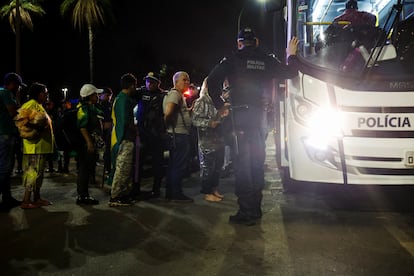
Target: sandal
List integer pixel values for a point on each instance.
(29, 205)
(212, 198)
(43, 202)
(217, 194)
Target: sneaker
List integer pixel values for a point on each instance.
(181, 198)
(87, 200)
(242, 220)
(119, 202)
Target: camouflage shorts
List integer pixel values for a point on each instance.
(122, 181)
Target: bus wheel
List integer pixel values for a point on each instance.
(287, 182)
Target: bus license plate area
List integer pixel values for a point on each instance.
(409, 159)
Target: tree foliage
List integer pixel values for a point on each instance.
(89, 13)
(27, 7)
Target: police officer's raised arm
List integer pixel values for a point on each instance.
(215, 82)
(290, 70)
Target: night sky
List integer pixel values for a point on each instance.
(185, 35)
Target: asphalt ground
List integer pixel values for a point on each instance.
(153, 237)
(318, 230)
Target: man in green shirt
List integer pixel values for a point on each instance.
(123, 138)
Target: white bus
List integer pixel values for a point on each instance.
(348, 118)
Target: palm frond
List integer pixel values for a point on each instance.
(66, 6)
(27, 7)
(86, 12)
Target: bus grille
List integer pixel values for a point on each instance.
(382, 171)
(382, 134)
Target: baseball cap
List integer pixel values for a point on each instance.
(13, 77)
(89, 89)
(153, 76)
(246, 34)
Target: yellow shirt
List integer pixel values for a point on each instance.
(46, 141)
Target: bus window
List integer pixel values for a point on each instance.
(350, 48)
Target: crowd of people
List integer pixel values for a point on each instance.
(146, 121)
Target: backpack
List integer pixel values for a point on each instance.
(67, 133)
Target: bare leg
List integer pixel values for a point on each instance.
(27, 203)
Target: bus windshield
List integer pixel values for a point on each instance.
(357, 36)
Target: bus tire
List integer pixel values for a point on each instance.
(287, 182)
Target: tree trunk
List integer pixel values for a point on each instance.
(17, 22)
(90, 33)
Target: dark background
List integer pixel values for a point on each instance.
(185, 35)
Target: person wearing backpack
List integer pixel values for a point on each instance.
(88, 121)
(151, 129)
(178, 121)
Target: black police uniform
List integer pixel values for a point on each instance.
(150, 118)
(248, 72)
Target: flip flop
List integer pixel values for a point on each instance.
(212, 198)
(217, 194)
(29, 206)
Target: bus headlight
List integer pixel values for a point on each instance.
(324, 129)
(323, 123)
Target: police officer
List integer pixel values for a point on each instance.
(249, 72)
(150, 120)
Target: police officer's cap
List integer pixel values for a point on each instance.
(246, 34)
(152, 76)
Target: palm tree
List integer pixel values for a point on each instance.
(19, 11)
(89, 13)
